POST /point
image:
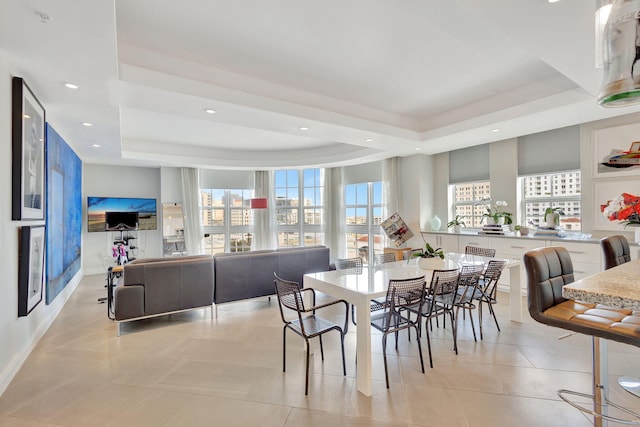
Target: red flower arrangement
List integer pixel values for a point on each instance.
(625, 207)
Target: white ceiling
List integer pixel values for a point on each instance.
(371, 79)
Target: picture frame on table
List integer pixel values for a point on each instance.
(31, 268)
(28, 149)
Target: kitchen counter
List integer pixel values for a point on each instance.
(569, 238)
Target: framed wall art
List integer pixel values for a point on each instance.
(31, 268)
(605, 191)
(28, 142)
(615, 151)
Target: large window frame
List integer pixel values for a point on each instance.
(227, 219)
(561, 189)
(364, 206)
(295, 219)
(470, 201)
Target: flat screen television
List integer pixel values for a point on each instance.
(121, 221)
(98, 207)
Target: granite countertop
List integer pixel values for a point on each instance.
(616, 287)
(568, 238)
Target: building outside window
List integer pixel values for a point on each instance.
(363, 215)
(294, 218)
(556, 190)
(470, 201)
(227, 220)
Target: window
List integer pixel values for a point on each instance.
(469, 201)
(363, 215)
(226, 219)
(560, 190)
(295, 219)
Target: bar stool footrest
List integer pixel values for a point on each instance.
(561, 394)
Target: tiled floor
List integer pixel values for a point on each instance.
(189, 370)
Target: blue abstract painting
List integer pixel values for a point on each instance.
(64, 213)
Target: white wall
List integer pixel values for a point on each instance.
(119, 181)
(416, 196)
(18, 336)
(504, 179)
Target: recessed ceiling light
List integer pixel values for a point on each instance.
(303, 128)
(87, 124)
(418, 149)
(210, 111)
(45, 18)
(495, 130)
(95, 145)
(26, 116)
(553, 1)
(368, 140)
(71, 86)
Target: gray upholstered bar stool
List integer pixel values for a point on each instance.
(548, 270)
(615, 251)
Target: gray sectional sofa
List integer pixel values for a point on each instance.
(157, 286)
(242, 275)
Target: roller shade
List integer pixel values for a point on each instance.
(210, 178)
(469, 164)
(367, 172)
(552, 151)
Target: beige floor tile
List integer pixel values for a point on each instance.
(6, 421)
(208, 411)
(541, 383)
(188, 370)
(305, 418)
(483, 409)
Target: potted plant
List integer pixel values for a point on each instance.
(523, 229)
(456, 223)
(429, 258)
(496, 214)
(552, 216)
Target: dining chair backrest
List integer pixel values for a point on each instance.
(349, 263)
(289, 296)
(444, 282)
(403, 293)
(470, 275)
(475, 250)
(494, 270)
(384, 258)
(408, 254)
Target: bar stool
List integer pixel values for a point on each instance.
(548, 270)
(615, 250)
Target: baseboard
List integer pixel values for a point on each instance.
(52, 312)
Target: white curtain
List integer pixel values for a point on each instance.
(391, 188)
(193, 234)
(264, 227)
(334, 212)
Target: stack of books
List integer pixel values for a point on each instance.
(498, 229)
(542, 231)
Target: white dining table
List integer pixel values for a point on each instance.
(359, 288)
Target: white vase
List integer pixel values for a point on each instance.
(457, 228)
(434, 263)
(436, 223)
(500, 220)
(489, 220)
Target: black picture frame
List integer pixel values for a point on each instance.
(31, 268)
(28, 145)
